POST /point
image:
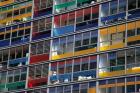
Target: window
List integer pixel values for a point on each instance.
(137, 55)
(85, 40)
(63, 45)
(78, 39)
(122, 5)
(121, 57)
(113, 7)
(19, 52)
(104, 9)
(29, 9)
(71, 19)
(86, 37)
(75, 88)
(9, 14)
(5, 55)
(69, 47)
(22, 11)
(131, 33)
(130, 56)
(138, 31)
(87, 14)
(77, 64)
(41, 47)
(69, 66)
(95, 12)
(93, 62)
(85, 63)
(61, 67)
(131, 4)
(79, 16)
(12, 53)
(64, 19)
(138, 3)
(16, 12)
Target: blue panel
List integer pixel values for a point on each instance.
(2, 29)
(121, 15)
(65, 76)
(63, 30)
(4, 43)
(134, 14)
(42, 35)
(20, 40)
(28, 24)
(20, 60)
(112, 55)
(85, 25)
(53, 78)
(44, 12)
(85, 73)
(15, 27)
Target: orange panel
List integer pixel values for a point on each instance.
(103, 31)
(92, 90)
(131, 26)
(112, 29)
(138, 24)
(121, 28)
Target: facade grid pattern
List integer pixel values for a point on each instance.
(69, 46)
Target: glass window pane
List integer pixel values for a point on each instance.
(131, 4)
(105, 10)
(113, 7)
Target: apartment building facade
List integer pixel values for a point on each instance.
(69, 46)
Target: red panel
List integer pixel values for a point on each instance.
(39, 58)
(95, 9)
(72, 15)
(37, 82)
(79, 13)
(57, 21)
(93, 57)
(87, 11)
(77, 60)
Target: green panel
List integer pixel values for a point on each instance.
(81, 1)
(67, 4)
(15, 84)
(2, 86)
(4, 8)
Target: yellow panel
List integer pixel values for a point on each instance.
(120, 84)
(85, 51)
(103, 48)
(107, 85)
(16, 8)
(15, 30)
(118, 45)
(138, 24)
(103, 31)
(110, 74)
(15, 18)
(121, 28)
(130, 83)
(6, 2)
(92, 90)
(112, 29)
(21, 16)
(133, 70)
(134, 38)
(131, 26)
(137, 82)
(70, 54)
